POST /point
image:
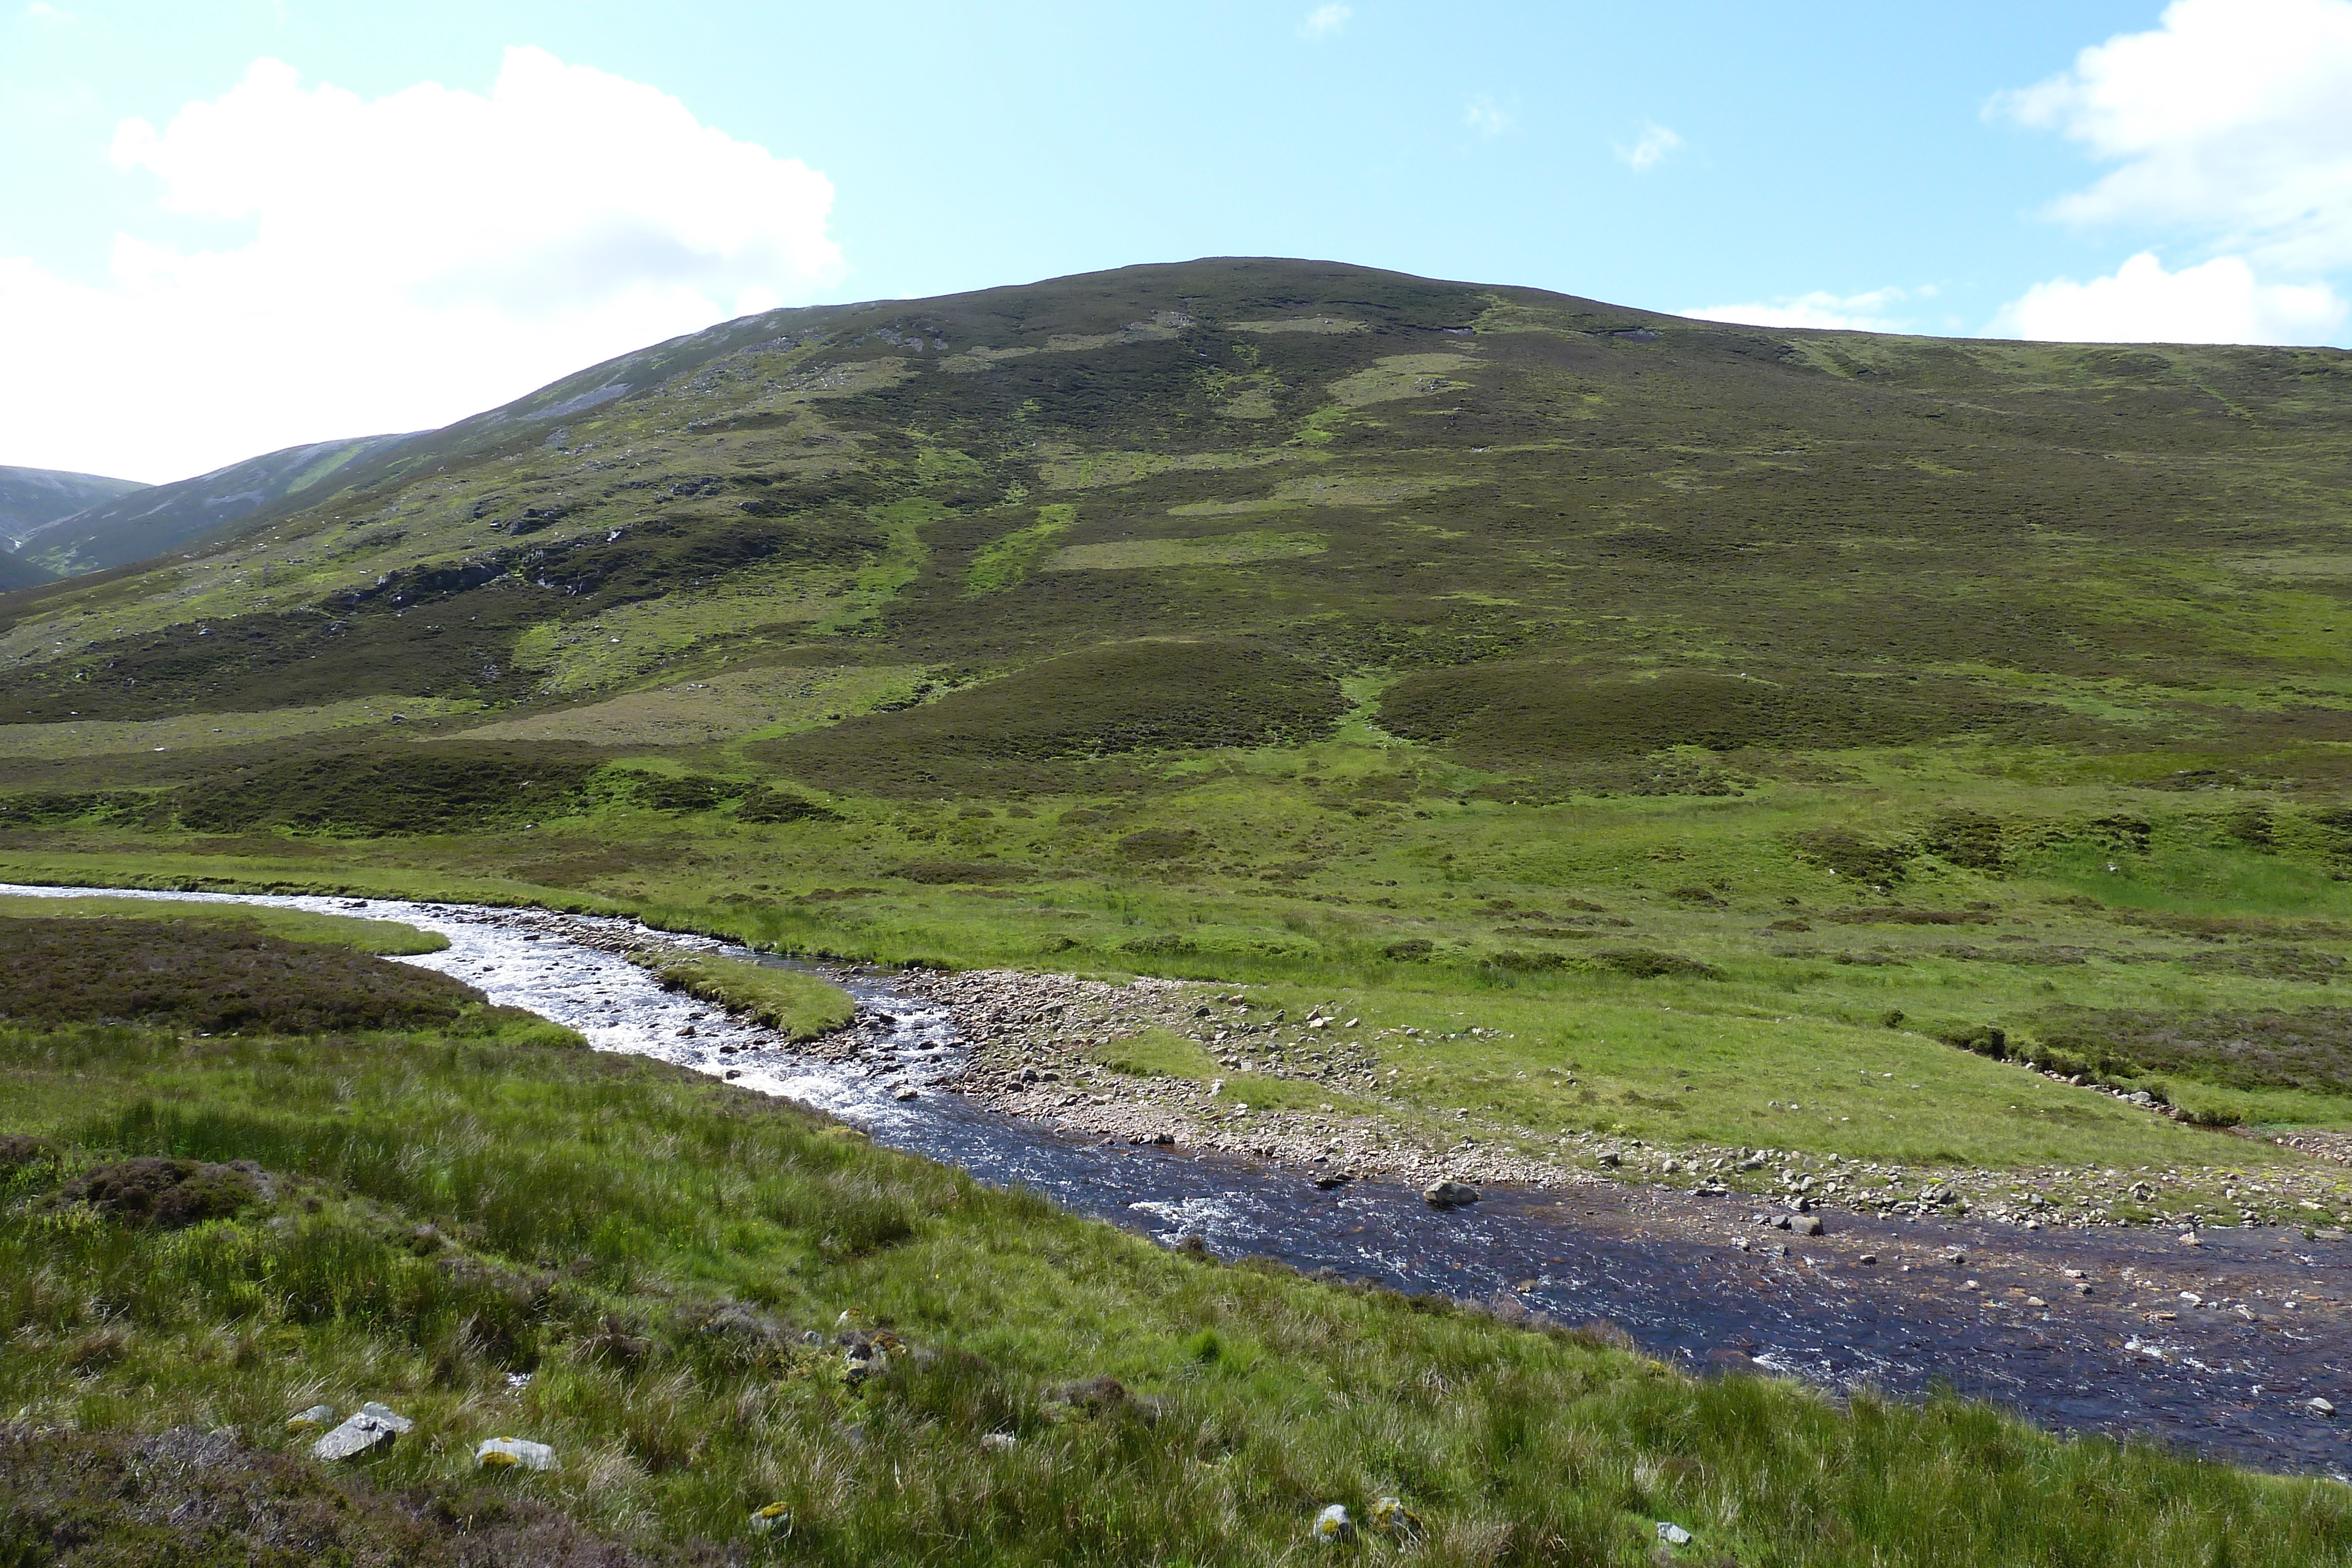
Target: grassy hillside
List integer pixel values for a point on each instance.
(1722, 713)
(716, 1306)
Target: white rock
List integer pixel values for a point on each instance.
(775, 1516)
(316, 1418)
(1333, 1526)
(1449, 1194)
(370, 1429)
(2319, 1408)
(1672, 1534)
(513, 1453)
(999, 1442)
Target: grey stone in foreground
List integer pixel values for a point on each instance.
(374, 1427)
(514, 1453)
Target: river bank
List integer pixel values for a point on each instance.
(1036, 1047)
(2220, 1345)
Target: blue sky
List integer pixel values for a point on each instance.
(229, 227)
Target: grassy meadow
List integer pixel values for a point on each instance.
(713, 1304)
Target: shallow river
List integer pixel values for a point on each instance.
(2192, 1346)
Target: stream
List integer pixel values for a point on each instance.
(2196, 1347)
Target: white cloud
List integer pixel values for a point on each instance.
(1325, 21)
(2219, 302)
(1866, 312)
(41, 11)
(414, 259)
(2231, 121)
(1655, 143)
(1485, 116)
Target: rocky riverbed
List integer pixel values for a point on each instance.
(1038, 1044)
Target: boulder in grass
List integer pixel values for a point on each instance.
(514, 1453)
(317, 1418)
(1449, 1195)
(1672, 1534)
(775, 1516)
(1391, 1518)
(372, 1429)
(1333, 1526)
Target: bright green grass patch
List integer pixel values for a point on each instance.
(798, 1006)
(387, 937)
(1156, 1053)
(1005, 562)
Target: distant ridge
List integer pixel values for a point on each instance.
(136, 523)
(30, 498)
(15, 574)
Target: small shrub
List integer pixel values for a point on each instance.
(1164, 945)
(1983, 1038)
(1159, 844)
(167, 1192)
(1413, 949)
(944, 872)
(785, 806)
(1642, 963)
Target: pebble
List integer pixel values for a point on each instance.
(1672, 1534)
(775, 1516)
(2319, 1408)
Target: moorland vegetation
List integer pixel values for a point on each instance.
(1723, 708)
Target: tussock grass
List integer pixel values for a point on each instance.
(799, 1007)
(656, 1251)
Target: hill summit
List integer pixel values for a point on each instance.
(1496, 497)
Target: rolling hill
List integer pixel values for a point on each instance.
(136, 523)
(33, 497)
(30, 498)
(19, 574)
(1828, 693)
